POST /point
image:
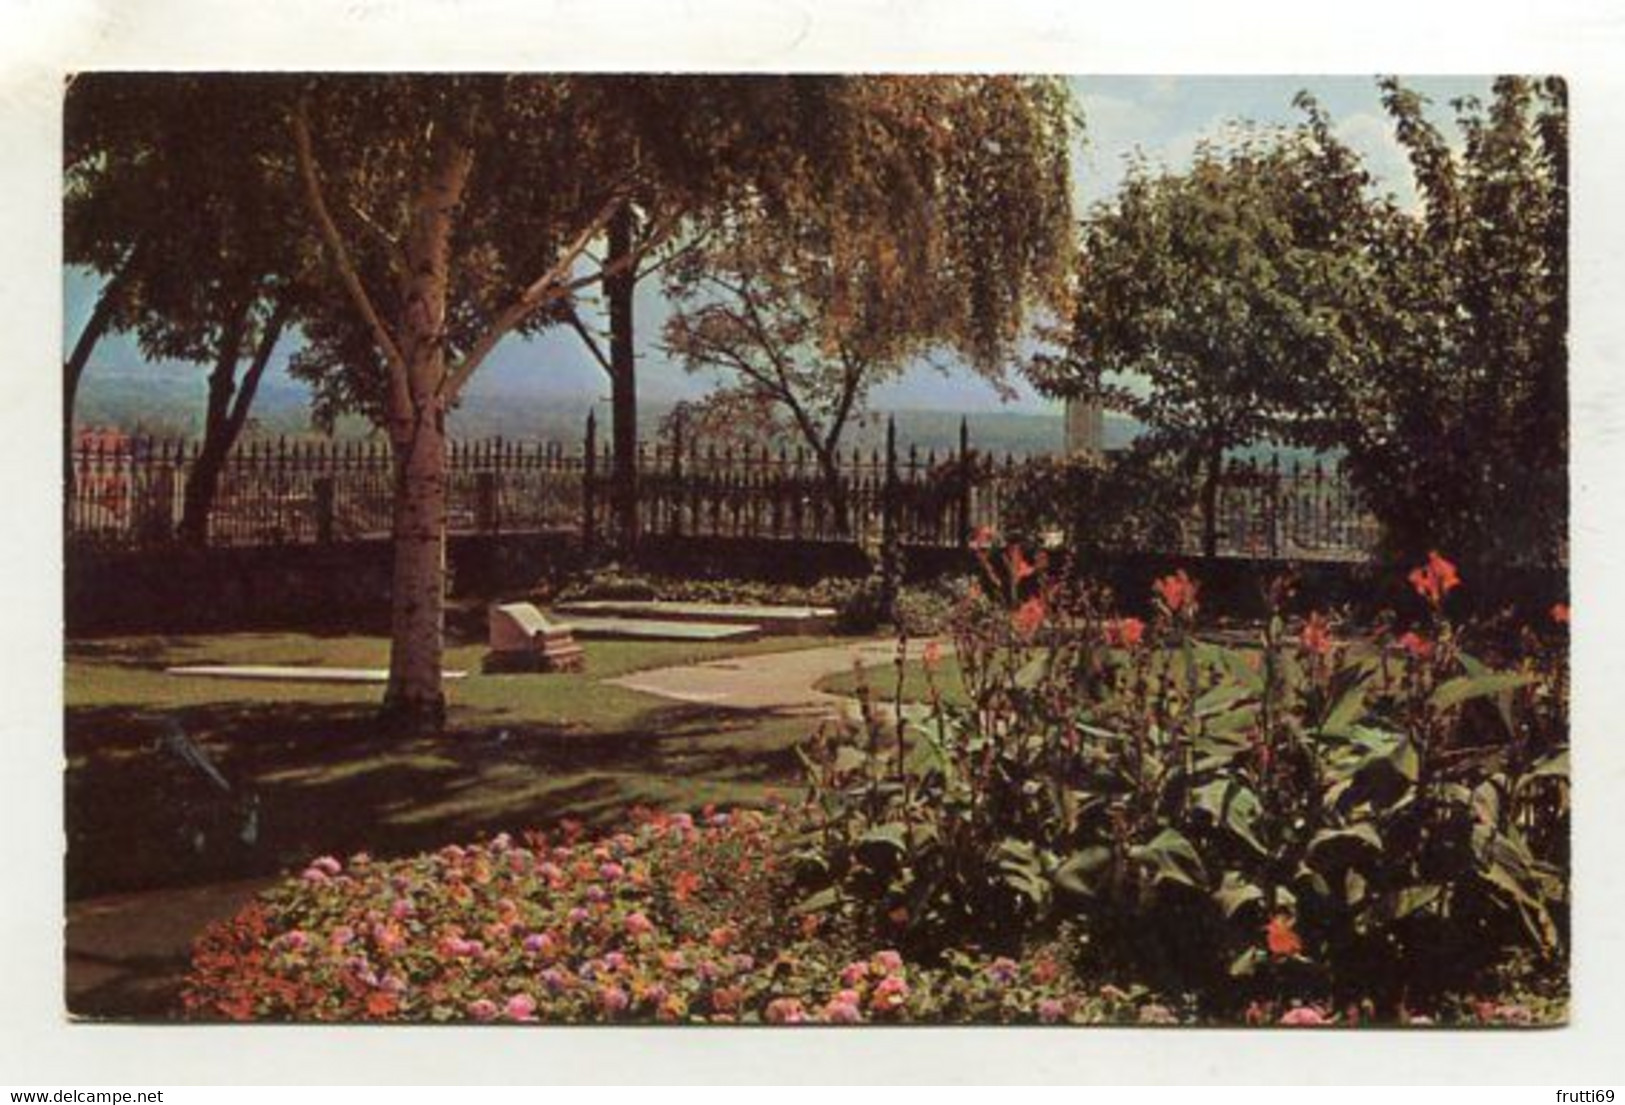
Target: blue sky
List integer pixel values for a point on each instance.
(1161, 116)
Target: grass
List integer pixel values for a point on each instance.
(519, 751)
(882, 683)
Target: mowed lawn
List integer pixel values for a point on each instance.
(310, 773)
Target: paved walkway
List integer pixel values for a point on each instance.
(781, 682)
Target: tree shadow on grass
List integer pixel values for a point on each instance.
(308, 778)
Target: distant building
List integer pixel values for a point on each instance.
(1085, 429)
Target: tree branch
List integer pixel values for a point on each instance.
(400, 400)
(539, 291)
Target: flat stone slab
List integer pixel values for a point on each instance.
(293, 674)
(642, 629)
(771, 620)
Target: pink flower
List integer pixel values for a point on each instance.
(539, 943)
(327, 865)
(401, 908)
(612, 999)
(611, 872)
(890, 995)
(482, 1010)
(889, 961)
(854, 973)
(521, 1007)
(637, 924)
(785, 1011)
(844, 1008)
(1050, 1010)
(341, 936)
(1003, 971)
(1305, 1016)
(294, 940)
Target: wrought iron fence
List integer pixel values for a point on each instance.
(132, 492)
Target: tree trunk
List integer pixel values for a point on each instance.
(1214, 462)
(73, 370)
(618, 289)
(220, 433)
(204, 477)
(415, 701)
(829, 468)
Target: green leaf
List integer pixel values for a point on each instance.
(1081, 872)
(826, 898)
(1361, 833)
(1247, 963)
(1554, 766)
(1216, 700)
(1236, 892)
(1465, 688)
(1234, 806)
(1173, 857)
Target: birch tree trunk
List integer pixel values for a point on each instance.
(415, 700)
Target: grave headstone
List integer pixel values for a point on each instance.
(521, 639)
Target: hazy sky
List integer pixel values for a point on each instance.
(1163, 116)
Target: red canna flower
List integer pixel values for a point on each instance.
(1029, 617)
(1435, 579)
(1560, 613)
(1418, 647)
(1124, 633)
(1281, 938)
(1177, 593)
(1020, 567)
(1316, 637)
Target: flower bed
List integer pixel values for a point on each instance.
(674, 920)
(1310, 830)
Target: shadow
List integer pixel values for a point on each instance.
(307, 779)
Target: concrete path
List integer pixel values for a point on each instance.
(781, 682)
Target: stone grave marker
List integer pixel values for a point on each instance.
(521, 639)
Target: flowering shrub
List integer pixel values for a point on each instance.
(1305, 818)
(675, 920)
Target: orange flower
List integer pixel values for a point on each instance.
(1177, 593)
(1030, 616)
(1560, 613)
(1316, 637)
(381, 1003)
(932, 656)
(1435, 579)
(1418, 647)
(1020, 567)
(1281, 938)
(1124, 633)
(982, 539)
(684, 884)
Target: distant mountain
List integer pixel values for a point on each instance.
(168, 401)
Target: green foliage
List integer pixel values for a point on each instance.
(1126, 502)
(1454, 413)
(1299, 818)
(1204, 298)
